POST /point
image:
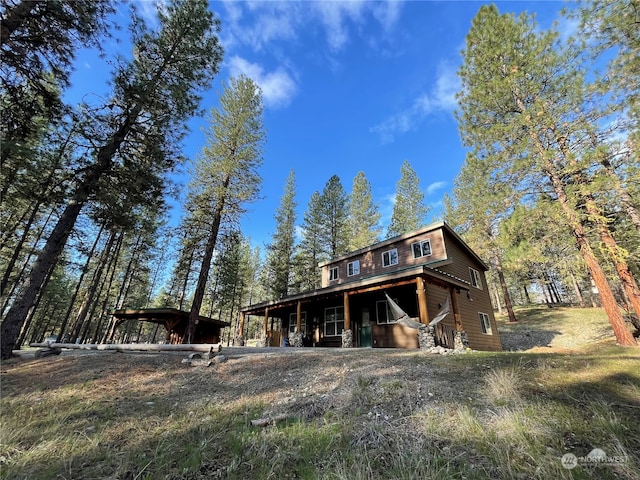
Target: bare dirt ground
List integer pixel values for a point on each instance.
(302, 383)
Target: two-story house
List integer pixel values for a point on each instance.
(421, 271)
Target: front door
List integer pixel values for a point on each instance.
(364, 337)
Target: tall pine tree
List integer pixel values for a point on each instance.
(280, 251)
(154, 94)
(226, 174)
(364, 217)
(409, 209)
(518, 104)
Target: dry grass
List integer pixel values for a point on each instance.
(359, 414)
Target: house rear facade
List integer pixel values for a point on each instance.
(427, 272)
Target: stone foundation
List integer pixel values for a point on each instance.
(427, 342)
(426, 337)
(238, 341)
(295, 339)
(460, 341)
(347, 339)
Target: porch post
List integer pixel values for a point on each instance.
(347, 314)
(423, 311)
(455, 309)
(241, 332)
(347, 334)
(265, 330)
(299, 317)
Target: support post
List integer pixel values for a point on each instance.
(299, 317)
(241, 332)
(455, 309)
(423, 311)
(347, 313)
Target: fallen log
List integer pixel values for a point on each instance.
(261, 422)
(129, 347)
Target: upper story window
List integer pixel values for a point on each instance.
(353, 268)
(475, 278)
(485, 323)
(293, 323)
(421, 249)
(390, 257)
(333, 273)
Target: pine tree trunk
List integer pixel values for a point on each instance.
(607, 299)
(18, 249)
(35, 283)
(526, 295)
(622, 334)
(76, 292)
(505, 291)
(97, 279)
(496, 296)
(622, 267)
(576, 289)
(206, 263)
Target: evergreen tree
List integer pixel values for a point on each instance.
(154, 94)
(409, 210)
(364, 217)
(334, 218)
(226, 174)
(280, 251)
(480, 207)
(311, 249)
(518, 103)
(38, 39)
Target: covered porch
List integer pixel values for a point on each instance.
(357, 314)
(175, 323)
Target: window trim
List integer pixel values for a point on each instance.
(476, 279)
(485, 323)
(387, 311)
(293, 323)
(390, 258)
(333, 278)
(421, 243)
(355, 268)
(337, 310)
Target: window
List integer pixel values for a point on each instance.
(475, 278)
(390, 257)
(353, 268)
(333, 274)
(485, 323)
(333, 321)
(421, 249)
(293, 317)
(383, 312)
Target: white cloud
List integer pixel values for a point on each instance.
(335, 16)
(441, 98)
(435, 186)
(269, 22)
(278, 88)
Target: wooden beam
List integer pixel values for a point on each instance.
(266, 321)
(455, 309)
(347, 313)
(423, 311)
(242, 315)
(299, 316)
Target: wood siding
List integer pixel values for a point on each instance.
(480, 298)
(371, 259)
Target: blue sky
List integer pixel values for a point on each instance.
(347, 86)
